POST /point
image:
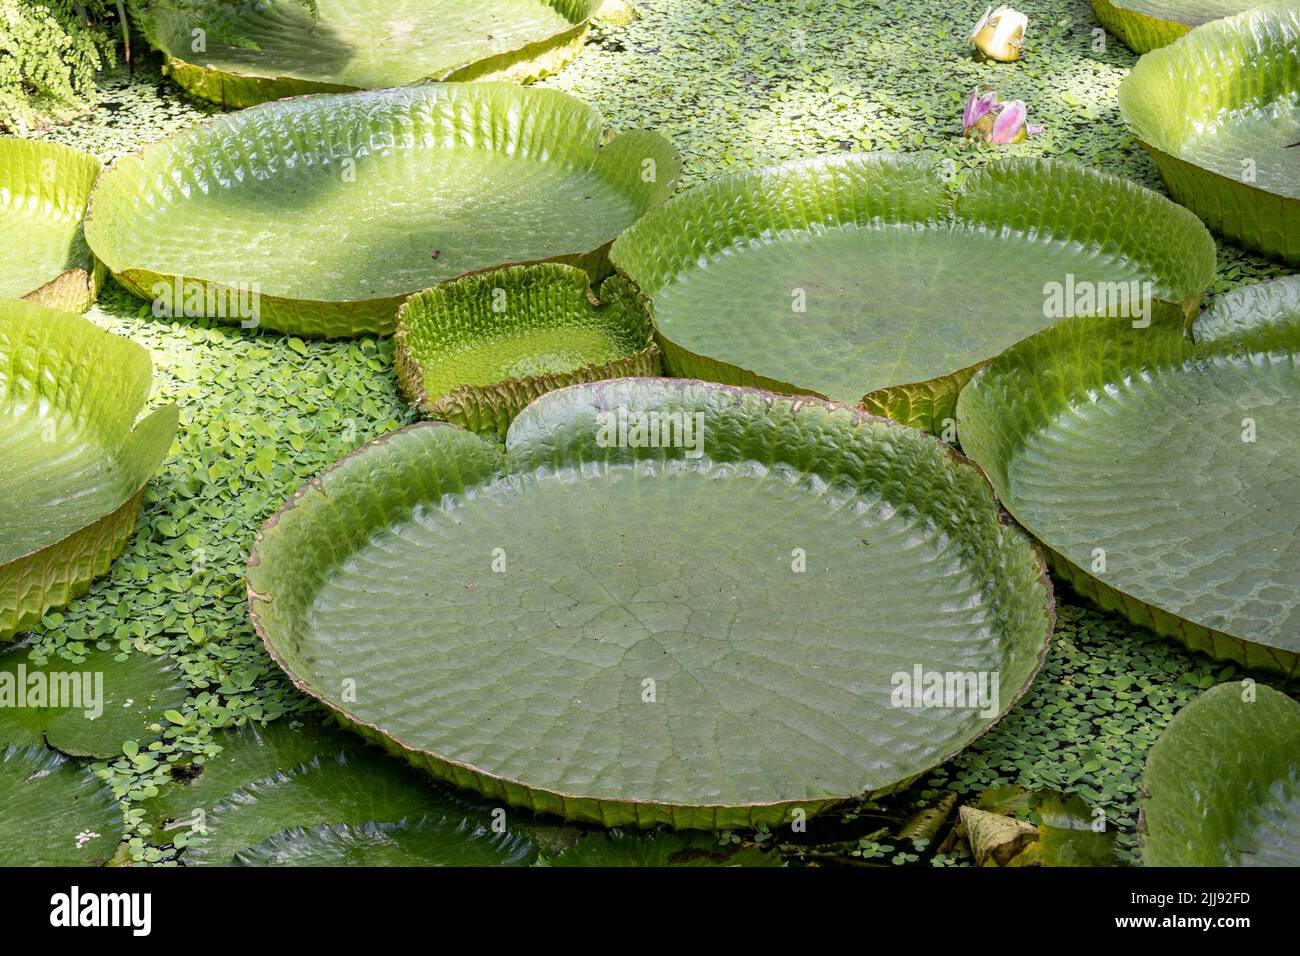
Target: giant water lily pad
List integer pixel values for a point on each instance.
(251, 51)
(320, 215)
(1145, 25)
(477, 350)
(1219, 112)
(43, 193)
(72, 467)
(649, 606)
(53, 812)
(1222, 784)
(859, 274)
(1163, 473)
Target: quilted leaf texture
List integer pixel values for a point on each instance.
(1160, 469)
(1219, 112)
(73, 463)
(258, 50)
(321, 214)
(43, 193)
(475, 351)
(625, 619)
(1222, 784)
(1146, 25)
(854, 274)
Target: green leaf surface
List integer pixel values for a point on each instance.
(1146, 25)
(852, 274)
(618, 848)
(89, 708)
(72, 466)
(53, 812)
(258, 50)
(309, 794)
(349, 787)
(334, 208)
(475, 351)
(425, 842)
(1219, 112)
(1222, 784)
(43, 193)
(589, 626)
(247, 755)
(1161, 471)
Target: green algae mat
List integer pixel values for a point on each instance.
(1161, 471)
(240, 54)
(475, 351)
(647, 607)
(1219, 112)
(72, 466)
(319, 215)
(1222, 784)
(860, 274)
(43, 193)
(1146, 25)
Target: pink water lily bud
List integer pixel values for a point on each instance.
(1011, 125)
(978, 106)
(987, 119)
(1000, 34)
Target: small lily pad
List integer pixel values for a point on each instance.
(1219, 112)
(475, 351)
(1222, 784)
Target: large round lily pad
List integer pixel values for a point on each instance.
(1219, 112)
(858, 274)
(1222, 784)
(319, 215)
(72, 467)
(1163, 473)
(43, 193)
(1146, 25)
(251, 51)
(477, 350)
(662, 601)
